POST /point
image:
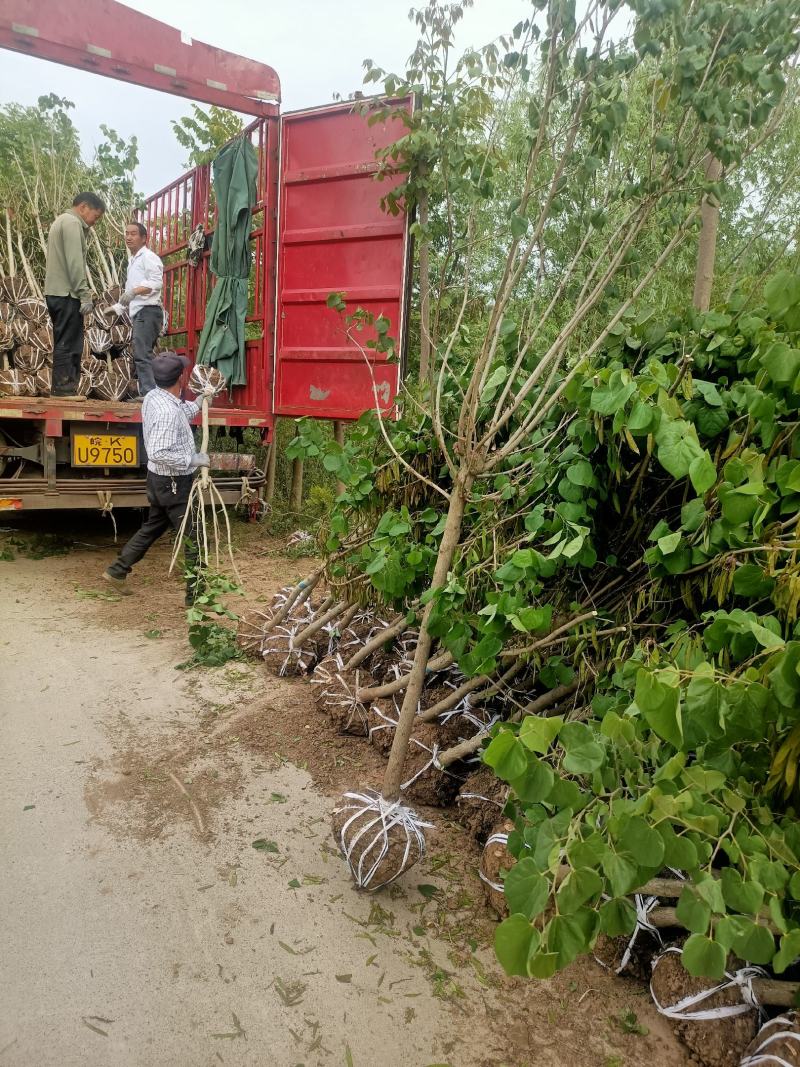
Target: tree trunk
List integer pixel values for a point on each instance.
(272, 455)
(405, 723)
(707, 245)
(338, 436)
(424, 291)
(296, 491)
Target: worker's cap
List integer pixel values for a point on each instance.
(168, 367)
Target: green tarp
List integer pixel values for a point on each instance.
(222, 339)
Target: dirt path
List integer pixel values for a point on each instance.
(142, 927)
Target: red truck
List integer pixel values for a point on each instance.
(318, 228)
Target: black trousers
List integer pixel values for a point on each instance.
(166, 510)
(147, 323)
(65, 312)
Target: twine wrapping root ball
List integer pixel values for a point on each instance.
(379, 839)
(202, 376)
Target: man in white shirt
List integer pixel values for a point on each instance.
(142, 298)
(171, 466)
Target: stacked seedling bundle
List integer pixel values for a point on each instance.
(107, 369)
(26, 337)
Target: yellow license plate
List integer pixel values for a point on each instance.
(105, 450)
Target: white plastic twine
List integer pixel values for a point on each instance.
(495, 839)
(343, 696)
(742, 979)
(300, 657)
(762, 1058)
(644, 905)
(478, 796)
(388, 722)
(388, 815)
(432, 762)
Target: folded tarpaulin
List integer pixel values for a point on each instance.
(222, 340)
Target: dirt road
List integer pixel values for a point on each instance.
(142, 927)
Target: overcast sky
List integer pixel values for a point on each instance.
(316, 46)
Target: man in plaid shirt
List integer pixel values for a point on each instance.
(171, 465)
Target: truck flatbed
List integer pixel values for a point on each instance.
(50, 409)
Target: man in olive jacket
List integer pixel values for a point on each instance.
(67, 292)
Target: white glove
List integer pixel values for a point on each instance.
(126, 297)
(87, 307)
(118, 309)
(208, 391)
(200, 459)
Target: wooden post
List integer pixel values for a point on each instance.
(707, 245)
(338, 436)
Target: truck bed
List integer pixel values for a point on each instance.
(51, 409)
(60, 486)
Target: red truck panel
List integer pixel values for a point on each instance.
(334, 237)
(119, 42)
(171, 215)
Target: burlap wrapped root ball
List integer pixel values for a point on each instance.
(7, 338)
(776, 1043)
(113, 382)
(29, 360)
(480, 801)
(715, 1043)
(43, 380)
(22, 330)
(32, 310)
(336, 693)
(495, 863)
(379, 839)
(15, 382)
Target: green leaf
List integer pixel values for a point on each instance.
(710, 890)
(739, 895)
(669, 543)
(538, 733)
(622, 874)
(526, 890)
(788, 952)
(507, 756)
(694, 913)
(519, 226)
(702, 473)
(584, 753)
(618, 917)
(753, 943)
(679, 850)
(578, 887)
(749, 580)
(571, 935)
(262, 845)
(659, 703)
(642, 841)
(536, 784)
(515, 941)
(580, 473)
(543, 965)
(781, 362)
(703, 958)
